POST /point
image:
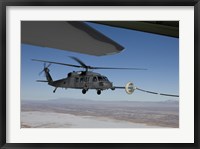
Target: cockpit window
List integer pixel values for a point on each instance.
(105, 78)
(94, 79)
(100, 78)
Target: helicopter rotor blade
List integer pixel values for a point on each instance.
(41, 72)
(51, 62)
(79, 61)
(118, 68)
(44, 65)
(91, 67)
(48, 65)
(83, 65)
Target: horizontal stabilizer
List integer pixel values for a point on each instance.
(41, 81)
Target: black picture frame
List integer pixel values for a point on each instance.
(5, 3)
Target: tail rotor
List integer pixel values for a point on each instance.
(45, 69)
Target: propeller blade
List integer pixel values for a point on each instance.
(44, 67)
(157, 93)
(41, 72)
(48, 65)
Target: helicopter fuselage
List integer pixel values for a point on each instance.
(83, 80)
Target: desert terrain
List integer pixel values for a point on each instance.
(82, 113)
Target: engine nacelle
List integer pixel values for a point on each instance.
(129, 88)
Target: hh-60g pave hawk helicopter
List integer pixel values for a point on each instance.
(86, 79)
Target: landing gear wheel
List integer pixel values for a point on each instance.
(112, 88)
(98, 92)
(54, 90)
(84, 91)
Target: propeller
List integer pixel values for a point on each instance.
(45, 68)
(83, 65)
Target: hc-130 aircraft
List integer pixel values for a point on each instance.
(86, 79)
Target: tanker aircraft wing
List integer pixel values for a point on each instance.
(166, 28)
(75, 36)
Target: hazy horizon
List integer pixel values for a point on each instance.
(89, 99)
(90, 114)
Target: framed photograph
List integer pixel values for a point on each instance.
(99, 74)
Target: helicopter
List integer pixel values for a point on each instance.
(87, 79)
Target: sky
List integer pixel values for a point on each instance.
(158, 54)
